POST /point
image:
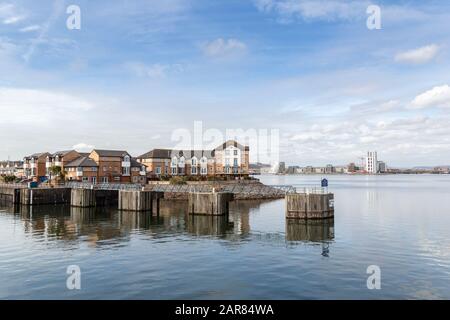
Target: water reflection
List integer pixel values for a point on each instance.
(107, 226)
(309, 230)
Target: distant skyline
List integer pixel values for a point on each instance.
(139, 70)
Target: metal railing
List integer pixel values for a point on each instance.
(103, 186)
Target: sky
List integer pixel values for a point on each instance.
(309, 72)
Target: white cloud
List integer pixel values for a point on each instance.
(83, 147)
(13, 20)
(436, 97)
(314, 9)
(419, 55)
(30, 28)
(31, 106)
(224, 48)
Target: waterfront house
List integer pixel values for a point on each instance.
(11, 168)
(82, 169)
(118, 166)
(228, 159)
(60, 159)
(34, 166)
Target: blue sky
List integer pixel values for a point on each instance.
(139, 70)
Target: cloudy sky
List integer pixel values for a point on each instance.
(138, 71)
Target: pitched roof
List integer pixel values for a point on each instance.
(61, 153)
(156, 153)
(110, 153)
(233, 143)
(135, 164)
(82, 162)
(169, 153)
(39, 154)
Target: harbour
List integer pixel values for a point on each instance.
(397, 222)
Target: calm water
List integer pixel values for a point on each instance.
(400, 223)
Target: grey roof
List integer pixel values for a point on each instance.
(82, 162)
(135, 164)
(156, 153)
(111, 153)
(188, 154)
(61, 153)
(232, 143)
(38, 155)
(168, 154)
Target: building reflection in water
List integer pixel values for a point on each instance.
(307, 230)
(108, 226)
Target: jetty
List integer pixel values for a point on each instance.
(203, 199)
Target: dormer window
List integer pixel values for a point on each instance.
(126, 159)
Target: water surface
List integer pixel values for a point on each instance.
(400, 223)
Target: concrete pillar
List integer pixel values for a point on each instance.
(156, 198)
(309, 205)
(135, 200)
(83, 198)
(41, 196)
(209, 203)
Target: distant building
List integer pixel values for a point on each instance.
(11, 168)
(329, 169)
(281, 167)
(292, 169)
(372, 162)
(382, 167)
(351, 168)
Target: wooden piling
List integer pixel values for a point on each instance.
(309, 205)
(209, 203)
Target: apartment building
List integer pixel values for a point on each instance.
(60, 159)
(11, 168)
(34, 166)
(372, 162)
(229, 159)
(82, 169)
(118, 166)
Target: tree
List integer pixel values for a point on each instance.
(55, 171)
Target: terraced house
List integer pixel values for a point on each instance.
(11, 168)
(34, 166)
(60, 159)
(229, 159)
(118, 166)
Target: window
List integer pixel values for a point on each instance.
(174, 171)
(94, 169)
(235, 152)
(116, 178)
(227, 152)
(126, 171)
(194, 161)
(94, 179)
(104, 180)
(227, 162)
(193, 170)
(85, 179)
(203, 170)
(235, 163)
(158, 170)
(126, 159)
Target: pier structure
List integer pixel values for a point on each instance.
(310, 204)
(209, 203)
(140, 200)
